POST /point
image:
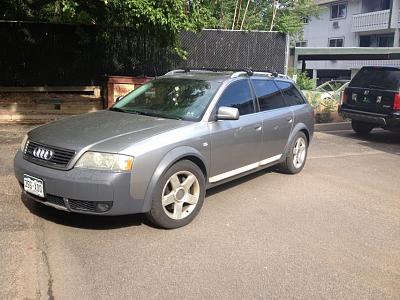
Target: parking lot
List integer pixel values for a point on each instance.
(332, 231)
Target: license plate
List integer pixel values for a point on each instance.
(33, 185)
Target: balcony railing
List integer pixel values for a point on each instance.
(376, 20)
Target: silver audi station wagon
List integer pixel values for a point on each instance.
(159, 148)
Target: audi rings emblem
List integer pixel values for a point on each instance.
(42, 153)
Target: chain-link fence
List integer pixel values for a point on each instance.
(61, 54)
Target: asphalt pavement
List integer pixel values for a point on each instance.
(330, 232)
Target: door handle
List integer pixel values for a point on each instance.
(258, 128)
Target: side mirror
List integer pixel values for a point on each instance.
(227, 113)
(119, 98)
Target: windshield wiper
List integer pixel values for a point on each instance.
(117, 109)
(150, 114)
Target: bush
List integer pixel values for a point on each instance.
(306, 83)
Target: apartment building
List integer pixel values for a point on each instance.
(351, 23)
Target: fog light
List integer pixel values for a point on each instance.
(103, 206)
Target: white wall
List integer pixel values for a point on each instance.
(319, 30)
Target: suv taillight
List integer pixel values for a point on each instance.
(396, 102)
(344, 97)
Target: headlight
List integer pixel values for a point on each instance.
(105, 161)
(24, 143)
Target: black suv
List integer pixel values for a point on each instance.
(372, 99)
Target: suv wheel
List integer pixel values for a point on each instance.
(361, 127)
(296, 158)
(178, 196)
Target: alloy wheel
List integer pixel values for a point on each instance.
(180, 195)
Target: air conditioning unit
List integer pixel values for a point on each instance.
(336, 24)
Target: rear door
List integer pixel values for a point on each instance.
(277, 119)
(373, 89)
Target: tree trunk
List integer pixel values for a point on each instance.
(234, 15)
(244, 15)
(274, 12)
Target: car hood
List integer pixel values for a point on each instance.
(103, 131)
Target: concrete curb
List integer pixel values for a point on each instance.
(332, 126)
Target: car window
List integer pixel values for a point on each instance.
(290, 93)
(268, 94)
(377, 78)
(238, 95)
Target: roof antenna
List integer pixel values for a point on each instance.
(248, 71)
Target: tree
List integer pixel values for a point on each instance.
(271, 15)
(163, 19)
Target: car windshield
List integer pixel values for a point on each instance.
(172, 98)
(377, 78)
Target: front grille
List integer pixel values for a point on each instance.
(61, 157)
(55, 200)
(82, 205)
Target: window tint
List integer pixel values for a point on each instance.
(268, 95)
(290, 93)
(238, 95)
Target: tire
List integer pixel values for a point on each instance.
(175, 204)
(295, 160)
(361, 127)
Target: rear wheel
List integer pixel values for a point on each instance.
(361, 127)
(297, 155)
(178, 196)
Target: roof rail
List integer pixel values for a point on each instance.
(192, 70)
(175, 71)
(268, 74)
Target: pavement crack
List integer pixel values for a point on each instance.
(50, 277)
(44, 270)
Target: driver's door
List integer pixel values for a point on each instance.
(235, 144)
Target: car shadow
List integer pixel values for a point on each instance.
(378, 139)
(94, 222)
(82, 220)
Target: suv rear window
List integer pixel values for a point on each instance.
(377, 78)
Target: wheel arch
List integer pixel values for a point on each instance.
(299, 127)
(172, 157)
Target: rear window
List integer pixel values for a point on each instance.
(268, 95)
(290, 93)
(377, 78)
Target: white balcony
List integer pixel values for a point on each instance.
(376, 20)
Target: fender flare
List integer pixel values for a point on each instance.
(297, 128)
(166, 162)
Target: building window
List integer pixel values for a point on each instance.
(384, 40)
(338, 11)
(336, 42)
(301, 44)
(377, 5)
(305, 20)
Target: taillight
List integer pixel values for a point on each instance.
(344, 97)
(396, 102)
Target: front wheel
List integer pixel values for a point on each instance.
(178, 196)
(297, 155)
(361, 127)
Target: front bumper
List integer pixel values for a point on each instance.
(80, 190)
(391, 121)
